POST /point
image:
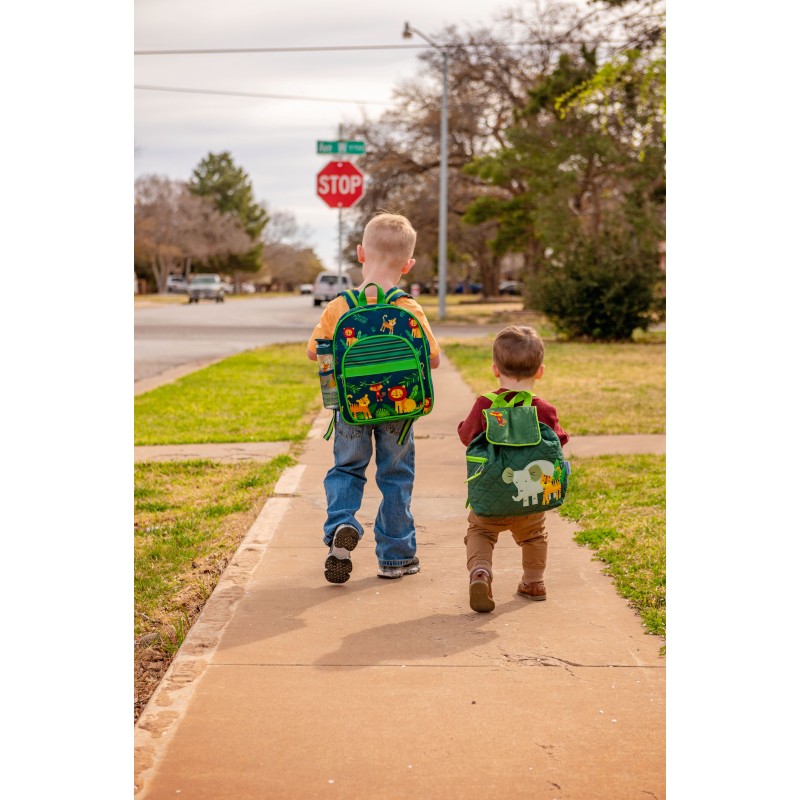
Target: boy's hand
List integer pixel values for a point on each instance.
(312, 356)
(435, 361)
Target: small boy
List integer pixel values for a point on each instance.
(385, 255)
(517, 362)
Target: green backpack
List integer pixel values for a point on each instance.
(381, 362)
(516, 466)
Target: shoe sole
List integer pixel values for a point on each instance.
(479, 599)
(337, 570)
(347, 537)
(531, 597)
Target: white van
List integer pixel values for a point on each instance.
(327, 286)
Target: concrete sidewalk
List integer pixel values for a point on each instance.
(290, 687)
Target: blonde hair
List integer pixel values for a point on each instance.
(518, 351)
(390, 236)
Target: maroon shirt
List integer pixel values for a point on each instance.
(475, 422)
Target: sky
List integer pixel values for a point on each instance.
(274, 140)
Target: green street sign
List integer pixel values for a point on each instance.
(334, 148)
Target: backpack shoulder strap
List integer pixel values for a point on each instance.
(394, 294)
(350, 296)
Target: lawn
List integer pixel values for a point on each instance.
(620, 503)
(266, 395)
(597, 388)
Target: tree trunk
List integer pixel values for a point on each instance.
(489, 266)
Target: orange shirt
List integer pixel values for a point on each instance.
(338, 306)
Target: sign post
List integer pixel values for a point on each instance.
(339, 183)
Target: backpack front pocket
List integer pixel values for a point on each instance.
(381, 380)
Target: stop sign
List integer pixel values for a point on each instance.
(340, 184)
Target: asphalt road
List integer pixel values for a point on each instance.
(167, 337)
(171, 338)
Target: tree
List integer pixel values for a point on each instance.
(579, 174)
(287, 261)
(605, 289)
(487, 82)
(174, 228)
(218, 177)
(290, 266)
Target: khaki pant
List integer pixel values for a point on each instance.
(528, 532)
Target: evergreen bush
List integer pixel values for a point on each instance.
(604, 290)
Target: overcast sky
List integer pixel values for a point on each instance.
(274, 140)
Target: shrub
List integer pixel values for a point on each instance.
(605, 289)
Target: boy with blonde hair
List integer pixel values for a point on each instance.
(385, 254)
(517, 362)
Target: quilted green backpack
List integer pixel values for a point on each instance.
(516, 466)
(381, 362)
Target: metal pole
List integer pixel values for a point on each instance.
(443, 196)
(408, 32)
(340, 215)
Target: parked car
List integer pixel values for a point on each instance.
(176, 284)
(510, 287)
(468, 288)
(328, 285)
(247, 288)
(306, 288)
(206, 287)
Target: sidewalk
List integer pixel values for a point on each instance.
(288, 687)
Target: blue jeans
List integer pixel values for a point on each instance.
(395, 534)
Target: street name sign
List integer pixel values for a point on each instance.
(340, 184)
(352, 148)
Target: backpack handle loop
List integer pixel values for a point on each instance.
(362, 295)
(499, 400)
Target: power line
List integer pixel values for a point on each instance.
(257, 94)
(216, 51)
(278, 49)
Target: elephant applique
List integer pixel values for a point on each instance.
(528, 481)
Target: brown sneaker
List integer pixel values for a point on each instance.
(533, 591)
(480, 591)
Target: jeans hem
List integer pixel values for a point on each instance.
(397, 563)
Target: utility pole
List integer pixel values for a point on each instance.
(341, 147)
(408, 31)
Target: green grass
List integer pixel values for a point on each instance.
(597, 388)
(264, 395)
(189, 518)
(620, 502)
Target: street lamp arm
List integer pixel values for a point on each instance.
(408, 31)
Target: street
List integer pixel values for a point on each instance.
(177, 335)
(180, 336)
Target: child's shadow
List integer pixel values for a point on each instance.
(438, 636)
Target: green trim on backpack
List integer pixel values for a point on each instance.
(331, 425)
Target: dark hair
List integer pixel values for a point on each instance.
(518, 351)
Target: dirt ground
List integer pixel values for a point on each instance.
(153, 652)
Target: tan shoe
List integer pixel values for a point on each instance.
(480, 591)
(533, 591)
